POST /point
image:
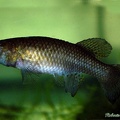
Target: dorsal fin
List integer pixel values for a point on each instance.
(96, 46)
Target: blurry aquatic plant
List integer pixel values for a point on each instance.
(52, 103)
(41, 100)
(10, 112)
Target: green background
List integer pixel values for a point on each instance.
(70, 20)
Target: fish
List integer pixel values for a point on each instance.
(40, 54)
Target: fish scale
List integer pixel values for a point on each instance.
(39, 54)
(46, 58)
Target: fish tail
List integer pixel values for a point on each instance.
(111, 85)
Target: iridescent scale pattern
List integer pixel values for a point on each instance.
(53, 56)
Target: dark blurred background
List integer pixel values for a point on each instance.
(71, 20)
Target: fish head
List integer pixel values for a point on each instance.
(5, 52)
(3, 55)
(8, 53)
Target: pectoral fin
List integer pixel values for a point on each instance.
(72, 83)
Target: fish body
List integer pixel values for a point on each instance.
(48, 55)
(58, 57)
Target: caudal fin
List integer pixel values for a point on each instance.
(112, 85)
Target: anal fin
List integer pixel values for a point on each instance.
(72, 83)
